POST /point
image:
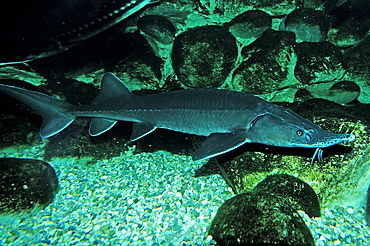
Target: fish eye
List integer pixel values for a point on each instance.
(299, 132)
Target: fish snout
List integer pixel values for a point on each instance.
(326, 139)
(350, 138)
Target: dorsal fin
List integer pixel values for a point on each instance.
(111, 87)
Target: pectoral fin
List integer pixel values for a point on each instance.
(219, 143)
(140, 130)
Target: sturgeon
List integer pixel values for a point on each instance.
(227, 118)
(43, 28)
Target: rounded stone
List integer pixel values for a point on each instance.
(158, 27)
(344, 92)
(349, 23)
(267, 63)
(250, 24)
(295, 192)
(274, 8)
(203, 57)
(140, 65)
(318, 62)
(259, 219)
(26, 185)
(356, 60)
(309, 25)
(344, 35)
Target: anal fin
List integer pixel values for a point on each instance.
(140, 130)
(219, 143)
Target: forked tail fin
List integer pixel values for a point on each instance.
(53, 111)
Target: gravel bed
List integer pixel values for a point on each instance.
(133, 199)
(145, 199)
(339, 226)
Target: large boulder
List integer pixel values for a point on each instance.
(203, 57)
(26, 185)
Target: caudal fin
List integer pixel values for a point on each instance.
(53, 111)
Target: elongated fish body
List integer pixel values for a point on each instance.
(198, 111)
(38, 29)
(228, 118)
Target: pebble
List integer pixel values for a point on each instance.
(350, 211)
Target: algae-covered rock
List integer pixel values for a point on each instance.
(267, 63)
(342, 92)
(309, 25)
(273, 7)
(259, 219)
(140, 68)
(318, 62)
(357, 63)
(294, 191)
(158, 27)
(26, 185)
(250, 24)
(354, 174)
(203, 57)
(349, 23)
(9, 72)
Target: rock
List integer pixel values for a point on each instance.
(309, 25)
(203, 57)
(293, 191)
(158, 27)
(139, 74)
(318, 62)
(26, 185)
(345, 91)
(273, 7)
(140, 68)
(345, 35)
(250, 24)
(302, 95)
(349, 23)
(9, 72)
(356, 61)
(259, 219)
(313, 4)
(341, 92)
(323, 109)
(355, 174)
(267, 63)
